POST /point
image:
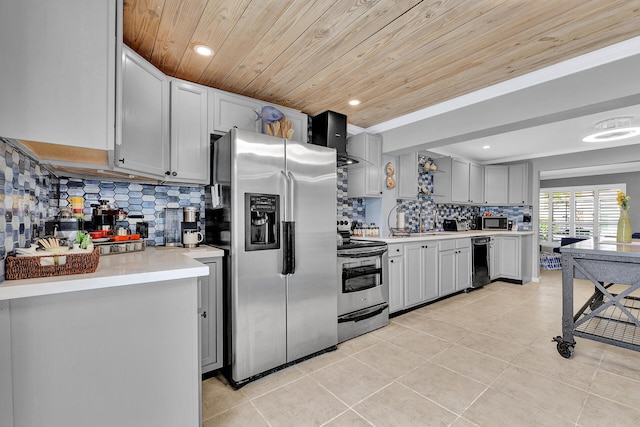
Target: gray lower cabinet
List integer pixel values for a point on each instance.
(210, 310)
(455, 265)
(512, 255)
(420, 272)
(395, 271)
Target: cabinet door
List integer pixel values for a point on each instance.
(430, 288)
(476, 183)
(58, 71)
(493, 264)
(231, 110)
(144, 142)
(365, 180)
(413, 293)
(407, 176)
(373, 150)
(509, 256)
(496, 181)
(189, 133)
(447, 264)
(210, 310)
(459, 181)
(518, 184)
(396, 283)
(463, 268)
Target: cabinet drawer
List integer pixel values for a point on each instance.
(395, 250)
(445, 245)
(463, 243)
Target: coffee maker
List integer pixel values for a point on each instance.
(191, 236)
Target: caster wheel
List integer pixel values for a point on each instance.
(565, 349)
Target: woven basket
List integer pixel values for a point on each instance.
(550, 261)
(29, 267)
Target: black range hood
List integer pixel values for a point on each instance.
(329, 129)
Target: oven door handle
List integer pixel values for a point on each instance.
(363, 314)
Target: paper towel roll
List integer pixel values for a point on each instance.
(400, 220)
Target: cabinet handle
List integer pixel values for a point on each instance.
(204, 314)
(390, 260)
(167, 173)
(121, 160)
(174, 174)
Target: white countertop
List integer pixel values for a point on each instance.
(607, 246)
(442, 235)
(154, 264)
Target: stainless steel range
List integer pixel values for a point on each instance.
(363, 290)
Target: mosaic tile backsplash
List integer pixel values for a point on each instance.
(136, 199)
(26, 191)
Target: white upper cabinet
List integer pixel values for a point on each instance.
(365, 180)
(518, 180)
(496, 185)
(407, 176)
(58, 71)
(189, 133)
(476, 183)
(229, 110)
(143, 146)
(457, 181)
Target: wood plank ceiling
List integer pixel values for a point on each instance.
(396, 56)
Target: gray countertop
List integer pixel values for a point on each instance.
(606, 246)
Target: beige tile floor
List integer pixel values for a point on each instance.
(479, 359)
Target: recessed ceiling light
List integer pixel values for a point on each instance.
(486, 147)
(613, 130)
(203, 50)
(354, 102)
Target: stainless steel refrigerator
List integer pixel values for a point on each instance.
(272, 206)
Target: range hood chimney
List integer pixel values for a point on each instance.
(329, 129)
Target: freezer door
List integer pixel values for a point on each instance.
(312, 306)
(258, 290)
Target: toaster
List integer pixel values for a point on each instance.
(455, 225)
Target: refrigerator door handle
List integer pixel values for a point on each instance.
(288, 247)
(291, 180)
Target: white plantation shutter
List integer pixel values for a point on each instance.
(608, 211)
(578, 212)
(584, 213)
(543, 217)
(560, 214)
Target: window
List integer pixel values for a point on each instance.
(578, 212)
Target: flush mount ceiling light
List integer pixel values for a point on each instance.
(613, 129)
(354, 102)
(203, 50)
(486, 147)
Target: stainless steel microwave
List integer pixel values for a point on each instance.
(495, 223)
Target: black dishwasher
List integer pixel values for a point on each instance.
(481, 259)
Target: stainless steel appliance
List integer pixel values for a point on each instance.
(495, 223)
(455, 225)
(273, 213)
(189, 227)
(481, 259)
(329, 129)
(363, 289)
